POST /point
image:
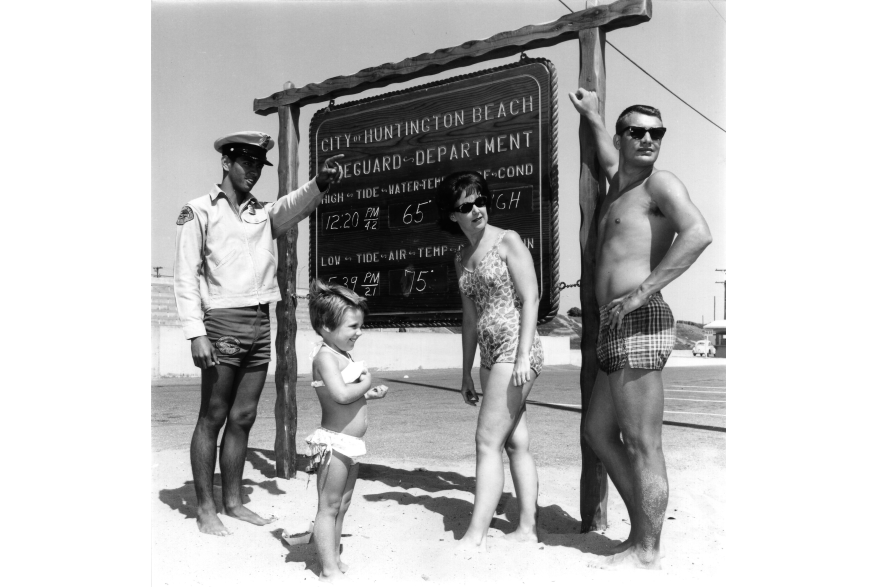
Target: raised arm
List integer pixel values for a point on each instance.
(470, 339)
(693, 236)
(523, 274)
(588, 106)
(297, 205)
(340, 392)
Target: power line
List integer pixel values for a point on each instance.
(567, 7)
(717, 11)
(666, 88)
(656, 80)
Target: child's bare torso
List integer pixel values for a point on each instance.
(352, 418)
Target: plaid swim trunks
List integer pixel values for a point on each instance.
(647, 338)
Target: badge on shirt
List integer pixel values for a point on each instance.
(186, 215)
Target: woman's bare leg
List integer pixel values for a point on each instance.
(500, 407)
(523, 469)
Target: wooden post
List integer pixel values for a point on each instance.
(285, 408)
(593, 495)
(589, 26)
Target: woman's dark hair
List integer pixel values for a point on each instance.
(451, 189)
(328, 302)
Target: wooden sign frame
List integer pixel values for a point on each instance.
(377, 233)
(589, 27)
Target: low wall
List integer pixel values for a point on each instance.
(382, 351)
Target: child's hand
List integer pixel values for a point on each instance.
(376, 392)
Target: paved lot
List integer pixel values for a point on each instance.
(423, 417)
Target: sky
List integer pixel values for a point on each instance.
(210, 60)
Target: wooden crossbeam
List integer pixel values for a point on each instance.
(623, 13)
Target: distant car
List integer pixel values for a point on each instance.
(704, 348)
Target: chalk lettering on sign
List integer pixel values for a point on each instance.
(366, 284)
(513, 199)
(405, 215)
(414, 280)
(378, 235)
(350, 220)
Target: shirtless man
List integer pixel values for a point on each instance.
(636, 257)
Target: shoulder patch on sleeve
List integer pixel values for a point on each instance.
(186, 215)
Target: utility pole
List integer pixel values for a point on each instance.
(725, 295)
(157, 269)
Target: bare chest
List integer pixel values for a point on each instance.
(631, 214)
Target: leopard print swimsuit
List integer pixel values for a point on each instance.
(499, 310)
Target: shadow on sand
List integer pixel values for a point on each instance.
(182, 498)
(555, 524)
(305, 554)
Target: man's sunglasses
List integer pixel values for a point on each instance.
(638, 132)
(480, 201)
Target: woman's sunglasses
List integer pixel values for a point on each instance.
(638, 132)
(480, 201)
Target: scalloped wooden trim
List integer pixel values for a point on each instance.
(623, 13)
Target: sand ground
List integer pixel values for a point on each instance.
(406, 514)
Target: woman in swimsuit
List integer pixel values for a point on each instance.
(500, 299)
(343, 386)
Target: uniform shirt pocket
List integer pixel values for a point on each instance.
(221, 274)
(222, 257)
(254, 215)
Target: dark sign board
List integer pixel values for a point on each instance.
(376, 232)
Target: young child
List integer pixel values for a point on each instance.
(343, 386)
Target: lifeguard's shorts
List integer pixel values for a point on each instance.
(646, 341)
(240, 336)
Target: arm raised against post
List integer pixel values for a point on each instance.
(623, 13)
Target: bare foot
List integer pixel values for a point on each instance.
(242, 513)
(467, 547)
(336, 577)
(632, 558)
(521, 535)
(343, 567)
(620, 547)
(209, 523)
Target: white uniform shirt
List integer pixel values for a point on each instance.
(227, 258)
